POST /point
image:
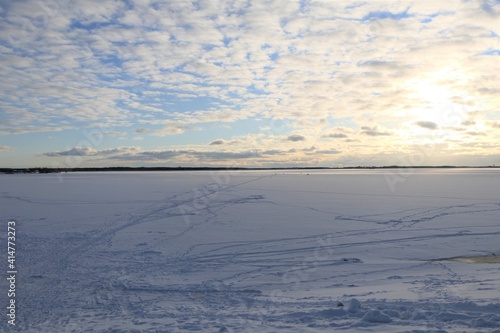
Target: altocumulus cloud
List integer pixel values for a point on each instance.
(77, 151)
(173, 128)
(312, 148)
(427, 124)
(171, 155)
(296, 137)
(119, 150)
(373, 131)
(217, 142)
(328, 152)
(86, 151)
(4, 149)
(226, 155)
(335, 136)
(167, 155)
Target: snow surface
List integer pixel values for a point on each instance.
(255, 251)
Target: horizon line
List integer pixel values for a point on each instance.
(222, 168)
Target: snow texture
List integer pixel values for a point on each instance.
(346, 251)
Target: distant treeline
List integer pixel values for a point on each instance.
(60, 170)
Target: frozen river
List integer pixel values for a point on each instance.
(255, 251)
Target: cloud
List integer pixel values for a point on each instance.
(4, 149)
(150, 155)
(193, 156)
(176, 155)
(217, 142)
(119, 150)
(216, 156)
(295, 138)
(468, 122)
(173, 129)
(77, 151)
(372, 131)
(275, 152)
(328, 152)
(114, 134)
(86, 151)
(473, 133)
(427, 124)
(494, 124)
(458, 129)
(311, 123)
(8, 129)
(334, 135)
(142, 130)
(387, 65)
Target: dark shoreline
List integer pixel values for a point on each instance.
(114, 169)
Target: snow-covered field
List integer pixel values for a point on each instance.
(255, 251)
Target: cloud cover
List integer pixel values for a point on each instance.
(172, 69)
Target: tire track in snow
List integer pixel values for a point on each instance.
(426, 215)
(60, 256)
(209, 209)
(76, 249)
(311, 249)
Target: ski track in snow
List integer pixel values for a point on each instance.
(273, 257)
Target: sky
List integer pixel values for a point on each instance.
(249, 83)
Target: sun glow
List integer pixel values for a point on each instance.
(436, 105)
